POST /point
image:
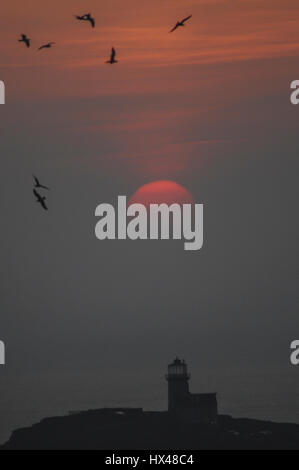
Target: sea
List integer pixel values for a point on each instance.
(26, 399)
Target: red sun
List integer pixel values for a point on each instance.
(159, 192)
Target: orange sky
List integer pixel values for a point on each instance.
(219, 32)
(166, 87)
(207, 107)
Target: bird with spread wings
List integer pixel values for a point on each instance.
(87, 17)
(40, 199)
(46, 46)
(180, 23)
(25, 40)
(112, 57)
(38, 184)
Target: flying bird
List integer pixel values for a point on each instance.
(87, 17)
(180, 23)
(25, 40)
(40, 199)
(38, 185)
(46, 46)
(112, 57)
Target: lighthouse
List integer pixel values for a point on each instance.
(196, 407)
(178, 384)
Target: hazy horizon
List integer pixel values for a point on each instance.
(206, 106)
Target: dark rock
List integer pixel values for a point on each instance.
(134, 429)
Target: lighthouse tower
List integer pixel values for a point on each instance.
(178, 386)
(194, 407)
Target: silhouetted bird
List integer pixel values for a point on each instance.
(46, 46)
(87, 17)
(112, 57)
(180, 23)
(40, 199)
(38, 185)
(25, 40)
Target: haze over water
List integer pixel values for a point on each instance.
(269, 395)
(89, 324)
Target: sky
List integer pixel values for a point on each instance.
(206, 106)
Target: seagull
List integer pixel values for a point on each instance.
(40, 199)
(25, 40)
(38, 185)
(46, 46)
(112, 57)
(87, 17)
(180, 23)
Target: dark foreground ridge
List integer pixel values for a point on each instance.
(125, 428)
